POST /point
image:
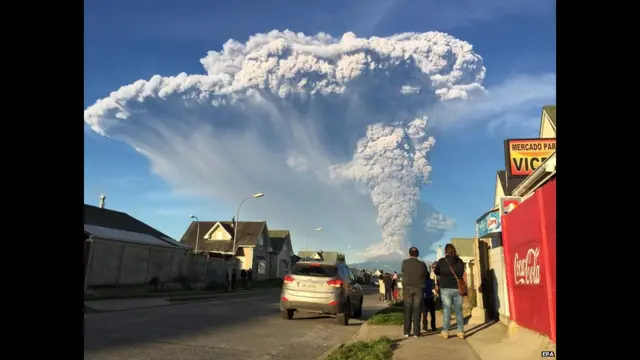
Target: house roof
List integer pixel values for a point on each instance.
(98, 219)
(551, 112)
(509, 183)
(327, 256)
(248, 232)
(278, 239)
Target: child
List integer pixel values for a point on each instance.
(428, 304)
(381, 288)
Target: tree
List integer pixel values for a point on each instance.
(341, 257)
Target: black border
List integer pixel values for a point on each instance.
(43, 191)
(507, 155)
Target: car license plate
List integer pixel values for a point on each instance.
(308, 286)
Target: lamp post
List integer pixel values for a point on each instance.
(306, 246)
(197, 231)
(235, 228)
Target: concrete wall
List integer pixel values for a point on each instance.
(497, 264)
(114, 263)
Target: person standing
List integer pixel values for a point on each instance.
(449, 269)
(243, 278)
(395, 286)
(414, 276)
(249, 277)
(381, 288)
(388, 282)
(429, 305)
(233, 278)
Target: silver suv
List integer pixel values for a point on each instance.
(321, 288)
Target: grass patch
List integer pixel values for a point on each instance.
(393, 315)
(381, 349)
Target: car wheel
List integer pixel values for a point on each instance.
(343, 318)
(357, 314)
(287, 314)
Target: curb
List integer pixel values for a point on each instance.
(363, 327)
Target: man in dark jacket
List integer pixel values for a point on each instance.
(243, 277)
(388, 284)
(414, 277)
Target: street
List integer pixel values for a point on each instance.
(247, 327)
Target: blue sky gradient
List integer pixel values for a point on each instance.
(126, 41)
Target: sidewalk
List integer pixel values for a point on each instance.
(483, 342)
(428, 346)
(97, 306)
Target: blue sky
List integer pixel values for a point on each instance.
(126, 41)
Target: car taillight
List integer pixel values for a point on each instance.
(288, 279)
(335, 283)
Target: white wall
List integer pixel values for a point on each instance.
(115, 263)
(497, 263)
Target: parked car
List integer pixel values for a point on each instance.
(321, 288)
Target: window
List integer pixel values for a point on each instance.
(261, 240)
(284, 247)
(315, 270)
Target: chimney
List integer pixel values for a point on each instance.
(102, 199)
(233, 221)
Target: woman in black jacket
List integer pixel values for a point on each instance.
(449, 269)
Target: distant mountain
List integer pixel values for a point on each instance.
(392, 261)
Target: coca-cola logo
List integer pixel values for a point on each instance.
(527, 270)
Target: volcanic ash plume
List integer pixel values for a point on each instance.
(392, 162)
(299, 106)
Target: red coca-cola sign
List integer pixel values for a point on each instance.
(526, 267)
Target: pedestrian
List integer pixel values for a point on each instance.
(450, 269)
(388, 283)
(249, 277)
(233, 279)
(414, 276)
(243, 278)
(381, 287)
(429, 305)
(395, 286)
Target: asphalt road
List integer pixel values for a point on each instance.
(246, 327)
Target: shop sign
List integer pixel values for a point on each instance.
(489, 224)
(524, 156)
(508, 203)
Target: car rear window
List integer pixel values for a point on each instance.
(315, 270)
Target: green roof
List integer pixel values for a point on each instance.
(278, 233)
(551, 112)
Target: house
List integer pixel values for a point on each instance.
(122, 250)
(216, 239)
(330, 257)
(280, 253)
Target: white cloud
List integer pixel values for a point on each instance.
(312, 121)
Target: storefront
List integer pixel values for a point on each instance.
(529, 166)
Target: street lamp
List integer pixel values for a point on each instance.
(306, 246)
(235, 227)
(197, 231)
